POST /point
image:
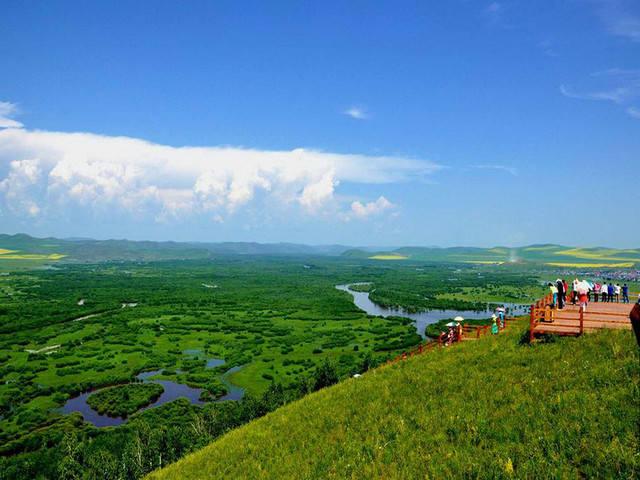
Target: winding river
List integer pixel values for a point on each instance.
(174, 390)
(422, 319)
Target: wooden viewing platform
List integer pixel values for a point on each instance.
(571, 320)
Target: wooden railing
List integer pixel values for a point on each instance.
(544, 310)
(472, 331)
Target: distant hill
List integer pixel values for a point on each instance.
(25, 250)
(554, 255)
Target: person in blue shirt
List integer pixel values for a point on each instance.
(494, 325)
(625, 293)
(610, 292)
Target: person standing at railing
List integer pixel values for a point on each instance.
(610, 291)
(561, 294)
(584, 300)
(617, 292)
(574, 294)
(625, 293)
(634, 316)
(604, 290)
(494, 325)
(554, 290)
(596, 291)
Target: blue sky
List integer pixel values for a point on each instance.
(364, 123)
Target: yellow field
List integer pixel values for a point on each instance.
(4, 250)
(594, 265)
(503, 251)
(32, 256)
(388, 257)
(598, 254)
(484, 262)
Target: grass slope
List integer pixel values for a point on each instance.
(485, 409)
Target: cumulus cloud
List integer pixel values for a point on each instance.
(370, 209)
(8, 110)
(50, 174)
(357, 112)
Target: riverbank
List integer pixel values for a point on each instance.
(422, 319)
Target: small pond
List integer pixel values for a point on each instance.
(172, 391)
(422, 319)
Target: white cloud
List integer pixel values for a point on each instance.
(616, 95)
(357, 112)
(20, 187)
(615, 85)
(504, 168)
(634, 112)
(620, 19)
(369, 209)
(54, 174)
(8, 110)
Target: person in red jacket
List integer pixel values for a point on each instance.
(634, 316)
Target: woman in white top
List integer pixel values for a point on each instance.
(603, 291)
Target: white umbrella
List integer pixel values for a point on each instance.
(500, 309)
(451, 324)
(583, 287)
(459, 319)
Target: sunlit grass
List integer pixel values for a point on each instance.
(485, 409)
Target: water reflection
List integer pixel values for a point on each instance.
(422, 319)
(172, 391)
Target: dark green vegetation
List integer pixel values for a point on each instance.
(487, 409)
(123, 400)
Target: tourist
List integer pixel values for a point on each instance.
(494, 326)
(610, 291)
(596, 291)
(625, 293)
(554, 290)
(604, 291)
(617, 292)
(584, 299)
(575, 294)
(561, 294)
(634, 316)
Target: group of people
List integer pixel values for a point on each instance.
(582, 291)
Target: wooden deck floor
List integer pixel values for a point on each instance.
(597, 315)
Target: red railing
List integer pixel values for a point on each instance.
(471, 331)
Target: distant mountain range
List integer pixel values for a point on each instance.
(22, 248)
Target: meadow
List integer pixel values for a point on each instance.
(495, 408)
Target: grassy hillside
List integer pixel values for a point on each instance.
(485, 409)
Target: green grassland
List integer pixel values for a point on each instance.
(486, 409)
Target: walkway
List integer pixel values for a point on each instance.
(572, 321)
